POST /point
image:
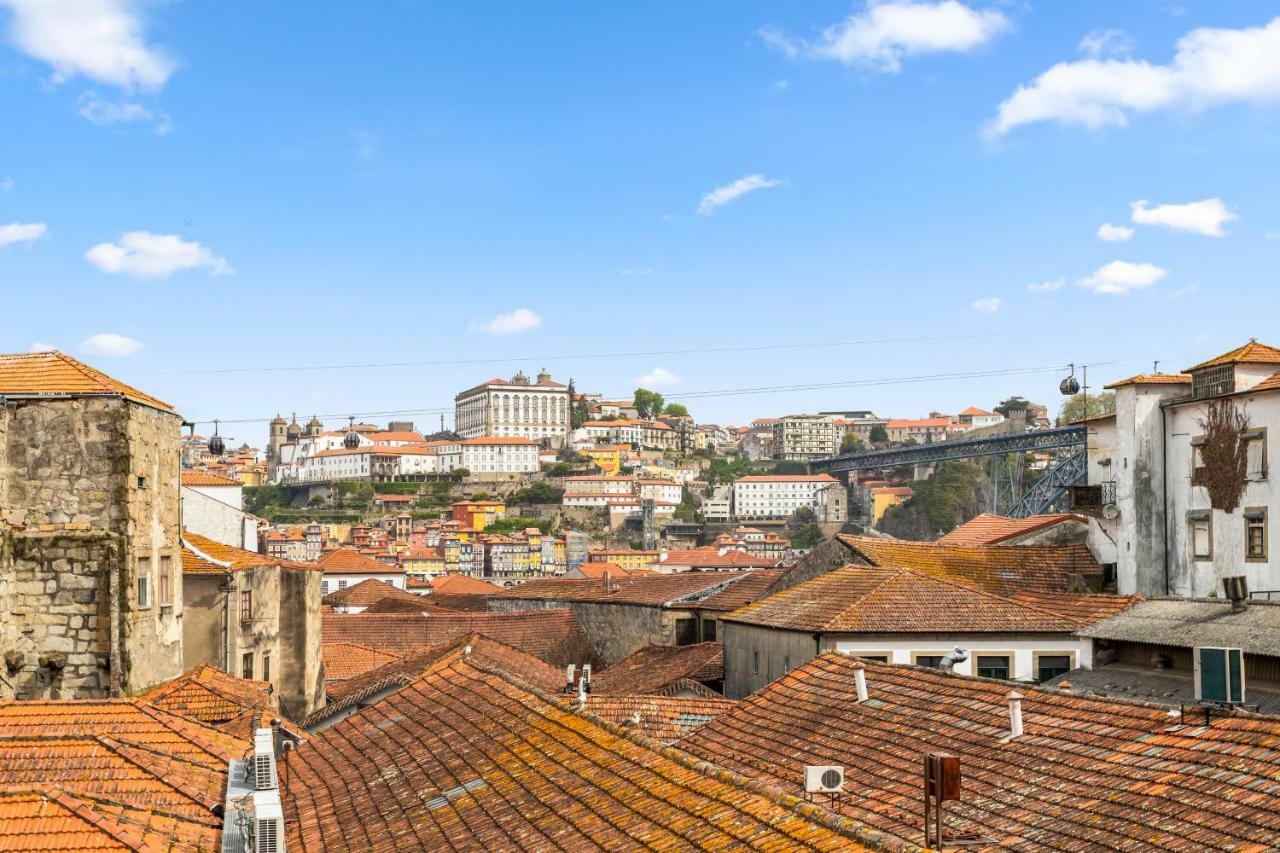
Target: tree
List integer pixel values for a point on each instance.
(850, 443)
(676, 410)
(648, 403)
(879, 435)
(1077, 407)
(579, 411)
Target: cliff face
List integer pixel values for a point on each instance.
(955, 493)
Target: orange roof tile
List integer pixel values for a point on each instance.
(468, 755)
(651, 669)
(367, 593)
(344, 561)
(1087, 774)
(666, 719)
(655, 590)
(44, 818)
(711, 558)
(53, 373)
(347, 660)
(1271, 383)
(552, 635)
(1151, 379)
(203, 556)
(210, 696)
(990, 529)
(462, 585)
(207, 478)
(1251, 353)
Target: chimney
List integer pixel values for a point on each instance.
(1015, 714)
(1236, 588)
(582, 692)
(568, 680)
(860, 680)
(608, 581)
(586, 675)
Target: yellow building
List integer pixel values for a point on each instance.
(883, 497)
(627, 558)
(478, 514)
(607, 457)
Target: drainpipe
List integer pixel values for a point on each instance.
(113, 633)
(817, 644)
(226, 624)
(1164, 488)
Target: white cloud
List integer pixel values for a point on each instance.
(110, 344)
(659, 377)
(987, 305)
(1047, 286)
(1211, 67)
(103, 40)
(1201, 217)
(40, 346)
(723, 195)
(1120, 277)
(147, 255)
(21, 232)
(6, 184)
(1107, 43)
(511, 323)
(636, 271)
(887, 31)
(1114, 233)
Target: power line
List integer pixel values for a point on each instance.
(581, 356)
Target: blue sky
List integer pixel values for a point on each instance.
(245, 186)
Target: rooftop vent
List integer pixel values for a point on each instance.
(860, 681)
(1015, 714)
(1236, 589)
(953, 657)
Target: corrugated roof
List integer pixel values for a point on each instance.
(1193, 622)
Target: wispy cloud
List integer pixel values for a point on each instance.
(987, 305)
(1199, 217)
(1211, 67)
(104, 113)
(21, 232)
(1107, 43)
(659, 377)
(1114, 233)
(886, 32)
(110, 344)
(1121, 277)
(146, 255)
(1047, 286)
(41, 346)
(636, 271)
(721, 196)
(511, 323)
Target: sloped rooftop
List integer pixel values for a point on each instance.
(56, 373)
(652, 669)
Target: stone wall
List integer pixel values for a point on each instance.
(614, 630)
(88, 487)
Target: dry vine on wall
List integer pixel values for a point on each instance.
(1223, 454)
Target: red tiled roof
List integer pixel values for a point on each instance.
(1151, 379)
(1251, 353)
(651, 669)
(42, 817)
(204, 556)
(991, 529)
(344, 561)
(468, 757)
(742, 591)
(648, 589)
(552, 635)
(1271, 383)
(56, 373)
(207, 478)
(1002, 568)
(712, 558)
(870, 599)
(343, 661)
(1087, 774)
(368, 592)
(210, 696)
(666, 719)
(462, 585)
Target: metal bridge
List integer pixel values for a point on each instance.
(1046, 493)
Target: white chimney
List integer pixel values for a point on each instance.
(568, 675)
(1015, 713)
(582, 692)
(860, 680)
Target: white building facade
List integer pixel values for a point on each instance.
(777, 497)
(801, 438)
(500, 455)
(515, 408)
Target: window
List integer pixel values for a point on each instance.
(166, 581)
(144, 582)
(266, 667)
(1201, 535)
(246, 605)
(993, 666)
(1255, 534)
(342, 584)
(1197, 460)
(871, 657)
(755, 663)
(142, 482)
(324, 587)
(1255, 452)
(1051, 666)
(708, 630)
(1219, 675)
(927, 660)
(246, 665)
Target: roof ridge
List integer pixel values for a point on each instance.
(196, 732)
(127, 836)
(133, 753)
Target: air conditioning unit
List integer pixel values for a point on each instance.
(268, 823)
(823, 779)
(263, 763)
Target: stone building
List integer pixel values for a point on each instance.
(90, 586)
(254, 616)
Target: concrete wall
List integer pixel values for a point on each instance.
(203, 621)
(755, 656)
(207, 515)
(103, 472)
(301, 676)
(1139, 473)
(614, 630)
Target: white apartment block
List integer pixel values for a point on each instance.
(777, 497)
(515, 408)
(500, 455)
(801, 438)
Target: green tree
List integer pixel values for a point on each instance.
(579, 411)
(648, 403)
(676, 410)
(879, 435)
(850, 443)
(1077, 407)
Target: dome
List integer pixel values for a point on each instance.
(314, 422)
(277, 421)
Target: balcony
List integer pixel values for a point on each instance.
(1091, 499)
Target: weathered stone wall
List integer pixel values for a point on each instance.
(301, 680)
(89, 485)
(615, 630)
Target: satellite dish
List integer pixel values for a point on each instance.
(1110, 512)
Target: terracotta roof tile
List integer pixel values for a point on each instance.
(711, 558)
(651, 589)
(44, 818)
(367, 593)
(466, 757)
(552, 635)
(1087, 774)
(664, 718)
(210, 696)
(347, 660)
(345, 561)
(462, 585)
(743, 591)
(1002, 568)
(39, 373)
(204, 556)
(991, 529)
(1251, 353)
(1150, 379)
(207, 478)
(652, 669)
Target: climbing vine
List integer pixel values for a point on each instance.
(1223, 456)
